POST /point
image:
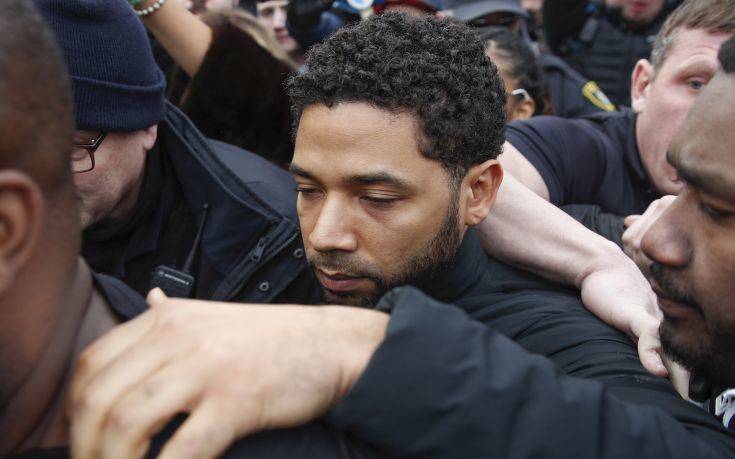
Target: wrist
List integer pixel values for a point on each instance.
(145, 8)
(605, 255)
(359, 333)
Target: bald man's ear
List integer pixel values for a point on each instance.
(482, 183)
(21, 220)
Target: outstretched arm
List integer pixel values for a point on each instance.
(528, 232)
(183, 35)
(428, 381)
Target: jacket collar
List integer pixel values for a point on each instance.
(457, 278)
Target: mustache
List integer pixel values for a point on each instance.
(670, 288)
(343, 263)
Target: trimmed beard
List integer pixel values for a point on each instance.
(433, 258)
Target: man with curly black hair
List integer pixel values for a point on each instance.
(397, 135)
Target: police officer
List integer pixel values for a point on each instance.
(618, 160)
(604, 42)
(161, 204)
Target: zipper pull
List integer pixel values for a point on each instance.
(259, 249)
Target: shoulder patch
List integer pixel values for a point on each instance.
(594, 94)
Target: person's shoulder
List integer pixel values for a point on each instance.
(544, 316)
(226, 169)
(618, 127)
(124, 301)
(556, 124)
(272, 183)
(315, 439)
(556, 136)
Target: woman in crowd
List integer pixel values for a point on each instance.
(237, 72)
(526, 92)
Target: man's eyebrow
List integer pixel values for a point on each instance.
(698, 65)
(378, 178)
(702, 180)
(296, 170)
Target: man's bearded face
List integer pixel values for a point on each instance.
(374, 212)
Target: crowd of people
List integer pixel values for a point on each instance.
(367, 228)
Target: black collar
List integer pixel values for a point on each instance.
(453, 281)
(157, 197)
(632, 153)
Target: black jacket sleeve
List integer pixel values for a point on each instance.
(445, 386)
(609, 226)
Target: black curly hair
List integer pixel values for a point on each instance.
(435, 69)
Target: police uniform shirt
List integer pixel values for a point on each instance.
(591, 160)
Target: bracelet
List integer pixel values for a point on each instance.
(151, 9)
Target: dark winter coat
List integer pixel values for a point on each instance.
(251, 248)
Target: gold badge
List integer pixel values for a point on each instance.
(594, 94)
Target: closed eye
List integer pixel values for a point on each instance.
(307, 191)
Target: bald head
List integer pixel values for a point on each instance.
(36, 119)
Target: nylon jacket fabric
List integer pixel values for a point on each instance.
(519, 369)
(251, 248)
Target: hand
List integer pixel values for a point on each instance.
(235, 369)
(621, 297)
(637, 225)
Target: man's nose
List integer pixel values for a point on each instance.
(279, 18)
(333, 229)
(667, 241)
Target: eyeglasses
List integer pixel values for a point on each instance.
(521, 92)
(85, 144)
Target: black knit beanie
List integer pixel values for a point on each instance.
(117, 84)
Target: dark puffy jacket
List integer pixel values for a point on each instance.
(518, 370)
(251, 248)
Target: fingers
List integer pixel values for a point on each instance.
(144, 410)
(155, 297)
(630, 220)
(91, 403)
(678, 376)
(650, 355)
(208, 432)
(103, 351)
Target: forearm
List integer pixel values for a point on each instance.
(526, 231)
(184, 36)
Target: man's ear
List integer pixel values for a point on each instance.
(643, 74)
(150, 135)
(21, 220)
(482, 183)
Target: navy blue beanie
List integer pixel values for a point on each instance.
(117, 84)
